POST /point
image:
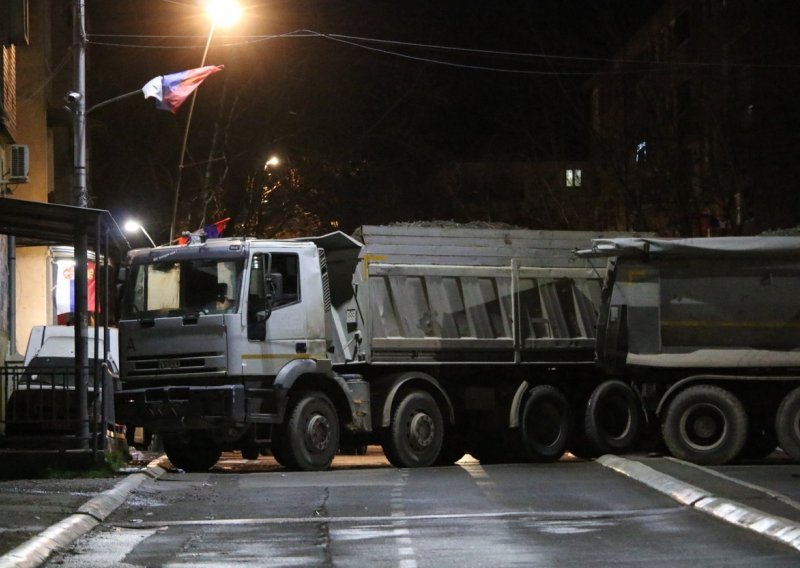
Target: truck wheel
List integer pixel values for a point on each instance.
(545, 424)
(612, 421)
(199, 454)
(706, 425)
(453, 448)
(278, 448)
(312, 433)
(250, 452)
(416, 433)
(787, 424)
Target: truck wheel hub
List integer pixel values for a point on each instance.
(704, 426)
(421, 430)
(318, 432)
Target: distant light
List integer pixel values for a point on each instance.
(273, 161)
(132, 226)
(223, 12)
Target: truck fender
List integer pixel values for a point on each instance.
(683, 383)
(516, 404)
(297, 368)
(404, 379)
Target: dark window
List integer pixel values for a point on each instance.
(682, 28)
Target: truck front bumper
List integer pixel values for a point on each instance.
(177, 407)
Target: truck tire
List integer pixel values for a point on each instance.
(453, 448)
(705, 424)
(198, 454)
(250, 452)
(787, 424)
(311, 434)
(612, 420)
(278, 448)
(415, 435)
(545, 424)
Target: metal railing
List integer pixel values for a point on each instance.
(40, 407)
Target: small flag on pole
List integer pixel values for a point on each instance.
(170, 91)
(211, 231)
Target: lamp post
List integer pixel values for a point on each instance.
(221, 13)
(272, 161)
(132, 226)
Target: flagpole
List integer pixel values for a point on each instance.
(115, 99)
(186, 139)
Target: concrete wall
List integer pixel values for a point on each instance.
(33, 291)
(34, 67)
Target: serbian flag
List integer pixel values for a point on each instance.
(65, 290)
(171, 90)
(209, 231)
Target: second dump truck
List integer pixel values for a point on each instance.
(432, 341)
(707, 333)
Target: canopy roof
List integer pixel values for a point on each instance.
(36, 223)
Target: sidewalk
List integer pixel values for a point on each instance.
(758, 509)
(40, 515)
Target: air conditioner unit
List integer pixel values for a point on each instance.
(20, 164)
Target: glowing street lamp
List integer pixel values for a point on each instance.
(221, 13)
(132, 226)
(273, 161)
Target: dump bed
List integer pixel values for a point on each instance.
(704, 303)
(432, 294)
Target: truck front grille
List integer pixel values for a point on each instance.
(176, 366)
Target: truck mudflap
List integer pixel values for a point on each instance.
(178, 407)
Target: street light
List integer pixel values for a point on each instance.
(132, 226)
(273, 161)
(221, 13)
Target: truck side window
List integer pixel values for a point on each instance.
(285, 277)
(285, 280)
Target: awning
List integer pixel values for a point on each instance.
(36, 223)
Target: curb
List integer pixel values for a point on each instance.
(774, 527)
(35, 551)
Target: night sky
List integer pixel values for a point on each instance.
(358, 123)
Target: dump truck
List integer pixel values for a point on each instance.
(431, 341)
(704, 334)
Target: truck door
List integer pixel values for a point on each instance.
(276, 321)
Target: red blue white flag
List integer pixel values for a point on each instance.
(170, 91)
(65, 290)
(212, 231)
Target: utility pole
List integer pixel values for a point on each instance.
(77, 99)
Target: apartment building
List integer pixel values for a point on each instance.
(695, 124)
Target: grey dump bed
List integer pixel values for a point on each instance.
(474, 295)
(706, 302)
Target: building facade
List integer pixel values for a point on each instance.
(694, 125)
(36, 71)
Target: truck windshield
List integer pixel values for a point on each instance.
(182, 288)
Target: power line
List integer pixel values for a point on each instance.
(358, 42)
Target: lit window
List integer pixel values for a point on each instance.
(641, 152)
(573, 178)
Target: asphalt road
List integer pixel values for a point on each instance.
(365, 513)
